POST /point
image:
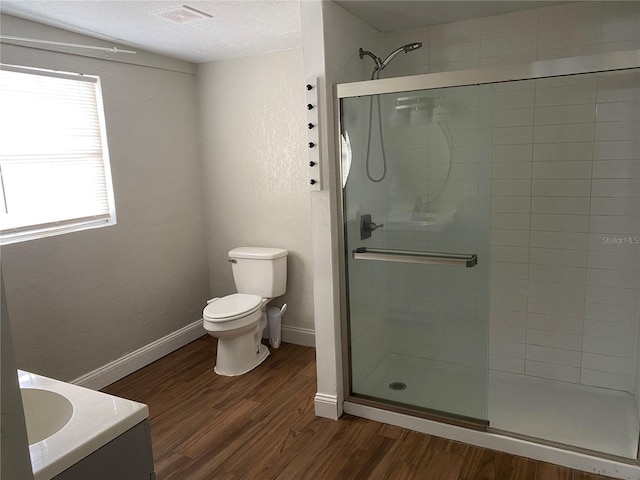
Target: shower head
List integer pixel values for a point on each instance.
(409, 47)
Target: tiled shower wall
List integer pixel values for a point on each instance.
(564, 184)
(564, 230)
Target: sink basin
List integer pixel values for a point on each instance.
(45, 413)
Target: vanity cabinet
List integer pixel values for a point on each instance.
(128, 456)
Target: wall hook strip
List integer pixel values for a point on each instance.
(64, 44)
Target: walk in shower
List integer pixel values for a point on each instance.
(492, 269)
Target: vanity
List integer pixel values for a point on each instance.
(76, 433)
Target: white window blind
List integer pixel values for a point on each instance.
(54, 162)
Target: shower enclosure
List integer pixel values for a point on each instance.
(491, 242)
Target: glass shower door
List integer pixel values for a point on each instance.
(416, 198)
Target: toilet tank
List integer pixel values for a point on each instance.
(259, 270)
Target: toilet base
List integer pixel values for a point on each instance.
(237, 355)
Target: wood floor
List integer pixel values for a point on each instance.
(262, 426)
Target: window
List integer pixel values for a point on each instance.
(54, 163)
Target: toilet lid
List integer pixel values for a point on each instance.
(237, 304)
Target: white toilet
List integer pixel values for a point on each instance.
(238, 320)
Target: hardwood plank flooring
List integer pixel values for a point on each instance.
(262, 426)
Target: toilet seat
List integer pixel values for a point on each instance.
(232, 307)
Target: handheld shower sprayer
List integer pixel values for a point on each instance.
(379, 66)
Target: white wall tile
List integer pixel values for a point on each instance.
(556, 256)
(510, 204)
(619, 11)
(512, 135)
(616, 169)
(557, 170)
(563, 151)
(508, 24)
(517, 271)
(619, 150)
(618, 92)
(558, 356)
(512, 153)
(509, 317)
(615, 206)
(506, 363)
(618, 111)
(509, 333)
(615, 188)
(455, 32)
(513, 117)
(566, 133)
(568, 52)
(546, 289)
(511, 349)
(607, 363)
(553, 323)
(613, 278)
(569, 15)
(554, 339)
(454, 52)
(510, 221)
(555, 273)
(607, 313)
(565, 188)
(554, 372)
(616, 131)
(514, 238)
(571, 95)
(565, 114)
(560, 205)
(554, 306)
(513, 99)
(608, 346)
(610, 380)
(509, 286)
(521, 43)
(620, 31)
(511, 188)
(511, 170)
(614, 243)
(614, 260)
(509, 254)
(612, 330)
(560, 223)
(612, 295)
(570, 37)
(614, 225)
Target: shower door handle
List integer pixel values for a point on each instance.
(367, 226)
(407, 256)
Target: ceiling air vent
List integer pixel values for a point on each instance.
(182, 14)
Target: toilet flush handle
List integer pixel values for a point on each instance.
(232, 260)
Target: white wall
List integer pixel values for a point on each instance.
(330, 53)
(253, 138)
(80, 300)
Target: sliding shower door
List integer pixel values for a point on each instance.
(416, 198)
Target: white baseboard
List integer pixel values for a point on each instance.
(326, 406)
(129, 363)
(299, 336)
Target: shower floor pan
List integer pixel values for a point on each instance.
(589, 418)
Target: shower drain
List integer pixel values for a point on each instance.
(397, 386)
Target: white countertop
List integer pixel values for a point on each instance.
(97, 419)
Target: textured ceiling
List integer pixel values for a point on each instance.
(393, 15)
(235, 29)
